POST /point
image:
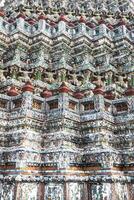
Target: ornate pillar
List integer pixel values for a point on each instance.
(113, 191)
(41, 192)
(130, 191)
(17, 191)
(66, 191)
(86, 193)
(7, 191)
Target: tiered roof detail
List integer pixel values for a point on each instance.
(106, 6)
(67, 100)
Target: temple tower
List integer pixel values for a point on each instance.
(67, 100)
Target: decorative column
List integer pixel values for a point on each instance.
(21, 21)
(130, 191)
(27, 97)
(122, 24)
(76, 191)
(7, 190)
(89, 191)
(62, 24)
(86, 193)
(42, 23)
(26, 113)
(17, 191)
(102, 27)
(82, 23)
(41, 192)
(64, 98)
(66, 191)
(1, 20)
(27, 190)
(99, 99)
(129, 93)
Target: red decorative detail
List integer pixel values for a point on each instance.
(21, 16)
(82, 20)
(110, 26)
(121, 23)
(109, 95)
(46, 93)
(31, 21)
(71, 24)
(28, 87)
(2, 13)
(62, 18)
(101, 21)
(43, 17)
(11, 20)
(12, 91)
(91, 25)
(129, 92)
(63, 88)
(98, 90)
(78, 95)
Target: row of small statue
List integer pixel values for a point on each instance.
(79, 6)
(63, 75)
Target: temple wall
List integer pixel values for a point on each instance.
(66, 191)
(67, 100)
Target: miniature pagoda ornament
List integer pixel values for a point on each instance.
(130, 90)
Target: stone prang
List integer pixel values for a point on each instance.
(67, 100)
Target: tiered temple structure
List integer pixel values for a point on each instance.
(67, 100)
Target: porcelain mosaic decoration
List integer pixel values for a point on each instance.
(67, 100)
